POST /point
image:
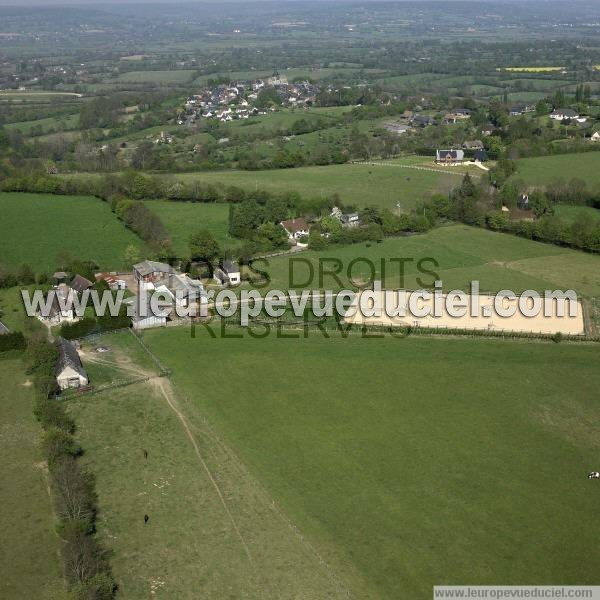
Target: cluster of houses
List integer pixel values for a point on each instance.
(237, 100)
(298, 229)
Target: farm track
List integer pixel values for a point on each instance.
(282, 562)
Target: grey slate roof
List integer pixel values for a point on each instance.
(80, 284)
(147, 267)
(3, 329)
(229, 266)
(68, 357)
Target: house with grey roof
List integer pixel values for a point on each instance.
(79, 284)
(3, 329)
(69, 370)
(449, 157)
(150, 271)
(563, 114)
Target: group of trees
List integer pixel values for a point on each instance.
(85, 562)
(481, 206)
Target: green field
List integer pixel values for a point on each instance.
(182, 219)
(542, 170)
(399, 485)
(27, 539)
(213, 532)
(356, 184)
(36, 227)
(464, 254)
(160, 77)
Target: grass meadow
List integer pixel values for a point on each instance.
(160, 77)
(36, 227)
(463, 254)
(356, 184)
(407, 483)
(182, 219)
(28, 542)
(543, 169)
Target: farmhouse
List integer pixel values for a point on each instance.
(232, 270)
(456, 115)
(595, 137)
(69, 369)
(449, 157)
(397, 128)
(350, 220)
(151, 271)
(473, 145)
(422, 121)
(182, 290)
(295, 228)
(562, 114)
(61, 309)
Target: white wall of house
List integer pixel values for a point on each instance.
(150, 321)
(70, 378)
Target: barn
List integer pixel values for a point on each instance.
(69, 368)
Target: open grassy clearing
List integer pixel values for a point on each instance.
(160, 77)
(28, 542)
(182, 219)
(542, 170)
(408, 481)
(36, 227)
(51, 123)
(464, 254)
(356, 184)
(213, 530)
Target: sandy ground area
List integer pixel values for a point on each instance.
(480, 313)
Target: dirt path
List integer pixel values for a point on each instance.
(163, 387)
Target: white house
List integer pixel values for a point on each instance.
(295, 228)
(561, 114)
(449, 157)
(61, 309)
(595, 137)
(69, 369)
(232, 270)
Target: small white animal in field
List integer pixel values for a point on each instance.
(594, 475)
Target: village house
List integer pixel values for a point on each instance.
(182, 290)
(3, 329)
(227, 273)
(563, 114)
(69, 370)
(350, 220)
(456, 115)
(61, 309)
(149, 271)
(449, 157)
(595, 137)
(422, 120)
(397, 128)
(295, 228)
(473, 145)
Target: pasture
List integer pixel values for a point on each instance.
(399, 485)
(543, 169)
(28, 542)
(463, 254)
(35, 228)
(213, 530)
(182, 219)
(158, 77)
(357, 184)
